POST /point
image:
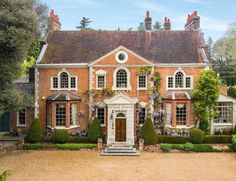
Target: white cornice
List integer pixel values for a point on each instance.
(42, 53)
(62, 65)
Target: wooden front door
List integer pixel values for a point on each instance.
(120, 130)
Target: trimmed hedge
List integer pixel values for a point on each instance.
(217, 139)
(75, 146)
(60, 136)
(148, 132)
(38, 146)
(196, 135)
(188, 147)
(233, 147)
(95, 131)
(172, 139)
(77, 139)
(35, 132)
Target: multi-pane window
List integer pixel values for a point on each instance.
(73, 114)
(55, 82)
(188, 82)
(64, 81)
(181, 114)
(72, 82)
(224, 112)
(21, 117)
(60, 114)
(64, 78)
(101, 115)
(179, 80)
(121, 79)
(100, 81)
(142, 81)
(170, 82)
(142, 115)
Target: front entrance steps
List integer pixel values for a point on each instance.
(120, 150)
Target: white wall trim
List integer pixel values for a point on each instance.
(62, 65)
(17, 119)
(100, 88)
(42, 52)
(128, 79)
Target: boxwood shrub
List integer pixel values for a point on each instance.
(38, 146)
(60, 136)
(172, 139)
(217, 139)
(70, 146)
(196, 136)
(77, 139)
(35, 131)
(148, 133)
(188, 147)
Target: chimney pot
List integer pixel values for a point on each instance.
(53, 22)
(193, 22)
(167, 24)
(148, 21)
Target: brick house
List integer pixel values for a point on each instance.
(84, 74)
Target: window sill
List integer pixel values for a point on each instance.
(72, 89)
(222, 124)
(142, 89)
(103, 125)
(117, 89)
(180, 127)
(63, 127)
(21, 126)
(183, 88)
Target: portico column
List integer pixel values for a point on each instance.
(174, 114)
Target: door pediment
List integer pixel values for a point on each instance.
(121, 98)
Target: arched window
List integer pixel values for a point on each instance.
(179, 80)
(64, 78)
(121, 79)
(120, 115)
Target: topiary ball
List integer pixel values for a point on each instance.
(196, 136)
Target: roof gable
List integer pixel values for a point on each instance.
(121, 98)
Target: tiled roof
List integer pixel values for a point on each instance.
(63, 96)
(156, 46)
(177, 95)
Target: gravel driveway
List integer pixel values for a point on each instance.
(88, 165)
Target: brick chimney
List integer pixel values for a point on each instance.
(193, 22)
(167, 24)
(53, 22)
(148, 22)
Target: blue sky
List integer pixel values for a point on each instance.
(111, 14)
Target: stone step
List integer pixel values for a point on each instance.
(120, 147)
(120, 154)
(120, 151)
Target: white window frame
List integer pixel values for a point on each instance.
(232, 114)
(17, 119)
(69, 82)
(143, 107)
(103, 125)
(184, 81)
(128, 79)
(142, 88)
(117, 57)
(99, 88)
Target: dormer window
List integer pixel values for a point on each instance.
(179, 81)
(63, 81)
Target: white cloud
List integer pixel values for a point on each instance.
(151, 6)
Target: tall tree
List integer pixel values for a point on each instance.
(84, 24)
(157, 26)
(18, 29)
(210, 47)
(231, 32)
(41, 10)
(141, 27)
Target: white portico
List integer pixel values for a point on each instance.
(120, 120)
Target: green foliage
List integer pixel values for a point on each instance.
(141, 27)
(234, 139)
(148, 132)
(60, 136)
(35, 131)
(95, 131)
(75, 146)
(196, 135)
(166, 147)
(188, 147)
(232, 91)
(145, 70)
(206, 95)
(77, 139)
(38, 146)
(172, 139)
(234, 131)
(217, 139)
(18, 29)
(107, 91)
(84, 24)
(4, 175)
(157, 26)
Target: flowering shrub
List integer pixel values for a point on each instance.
(80, 133)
